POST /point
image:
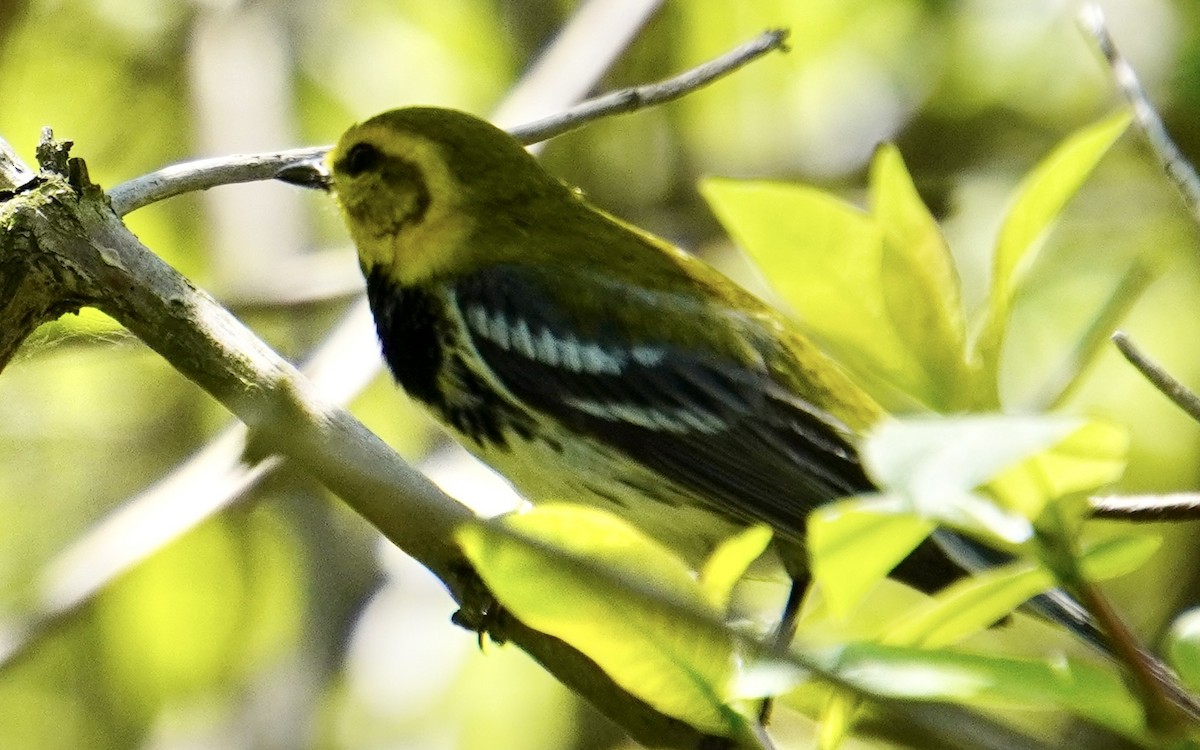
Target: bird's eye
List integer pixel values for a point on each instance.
(360, 158)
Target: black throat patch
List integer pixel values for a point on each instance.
(417, 335)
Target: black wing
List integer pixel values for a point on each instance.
(710, 423)
(715, 426)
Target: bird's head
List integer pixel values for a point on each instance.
(419, 186)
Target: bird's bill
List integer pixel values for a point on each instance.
(309, 173)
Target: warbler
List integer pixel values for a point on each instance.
(584, 359)
(589, 361)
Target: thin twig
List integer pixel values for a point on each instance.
(208, 173)
(202, 174)
(1168, 709)
(1167, 704)
(1181, 506)
(571, 66)
(1179, 394)
(1177, 167)
(639, 97)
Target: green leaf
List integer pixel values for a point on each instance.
(939, 464)
(1095, 338)
(591, 580)
(936, 464)
(1039, 200)
(969, 606)
(1089, 457)
(855, 543)
(824, 258)
(920, 284)
(836, 719)
(1183, 647)
(1119, 555)
(729, 562)
(978, 602)
(908, 673)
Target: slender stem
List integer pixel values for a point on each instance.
(202, 174)
(1183, 506)
(1179, 394)
(640, 97)
(1168, 707)
(208, 173)
(1165, 715)
(1178, 169)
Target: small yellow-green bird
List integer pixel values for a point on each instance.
(588, 361)
(584, 359)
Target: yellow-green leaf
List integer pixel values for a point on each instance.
(920, 284)
(1089, 457)
(1183, 647)
(729, 561)
(908, 673)
(976, 603)
(632, 606)
(824, 258)
(969, 606)
(1039, 200)
(936, 464)
(854, 544)
(836, 719)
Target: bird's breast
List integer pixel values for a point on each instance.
(420, 344)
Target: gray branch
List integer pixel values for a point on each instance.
(1181, 173)
(1167, 385)
(208, 173)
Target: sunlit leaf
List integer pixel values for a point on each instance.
(854, 544)
(1119, 555)
(593, 581)
(825, 259)
(836, 719)
(939, 464)
(1089, 457)
(729, 561)
(920, 284)
(909, 673)
(936, 463)
(1039, 200)
(1183, 647)
(979, 601)
(969, 606)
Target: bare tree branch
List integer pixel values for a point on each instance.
(1178, 169)
(640, 97)
(1179, 394)
(208, 173)
(1182, 506)
(13, 172)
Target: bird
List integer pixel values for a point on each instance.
(583, 358)
(587, 360)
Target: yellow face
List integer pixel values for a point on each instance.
(400, 200)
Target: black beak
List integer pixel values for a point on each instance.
(307, 173)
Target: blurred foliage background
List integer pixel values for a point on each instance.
(284, 622)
